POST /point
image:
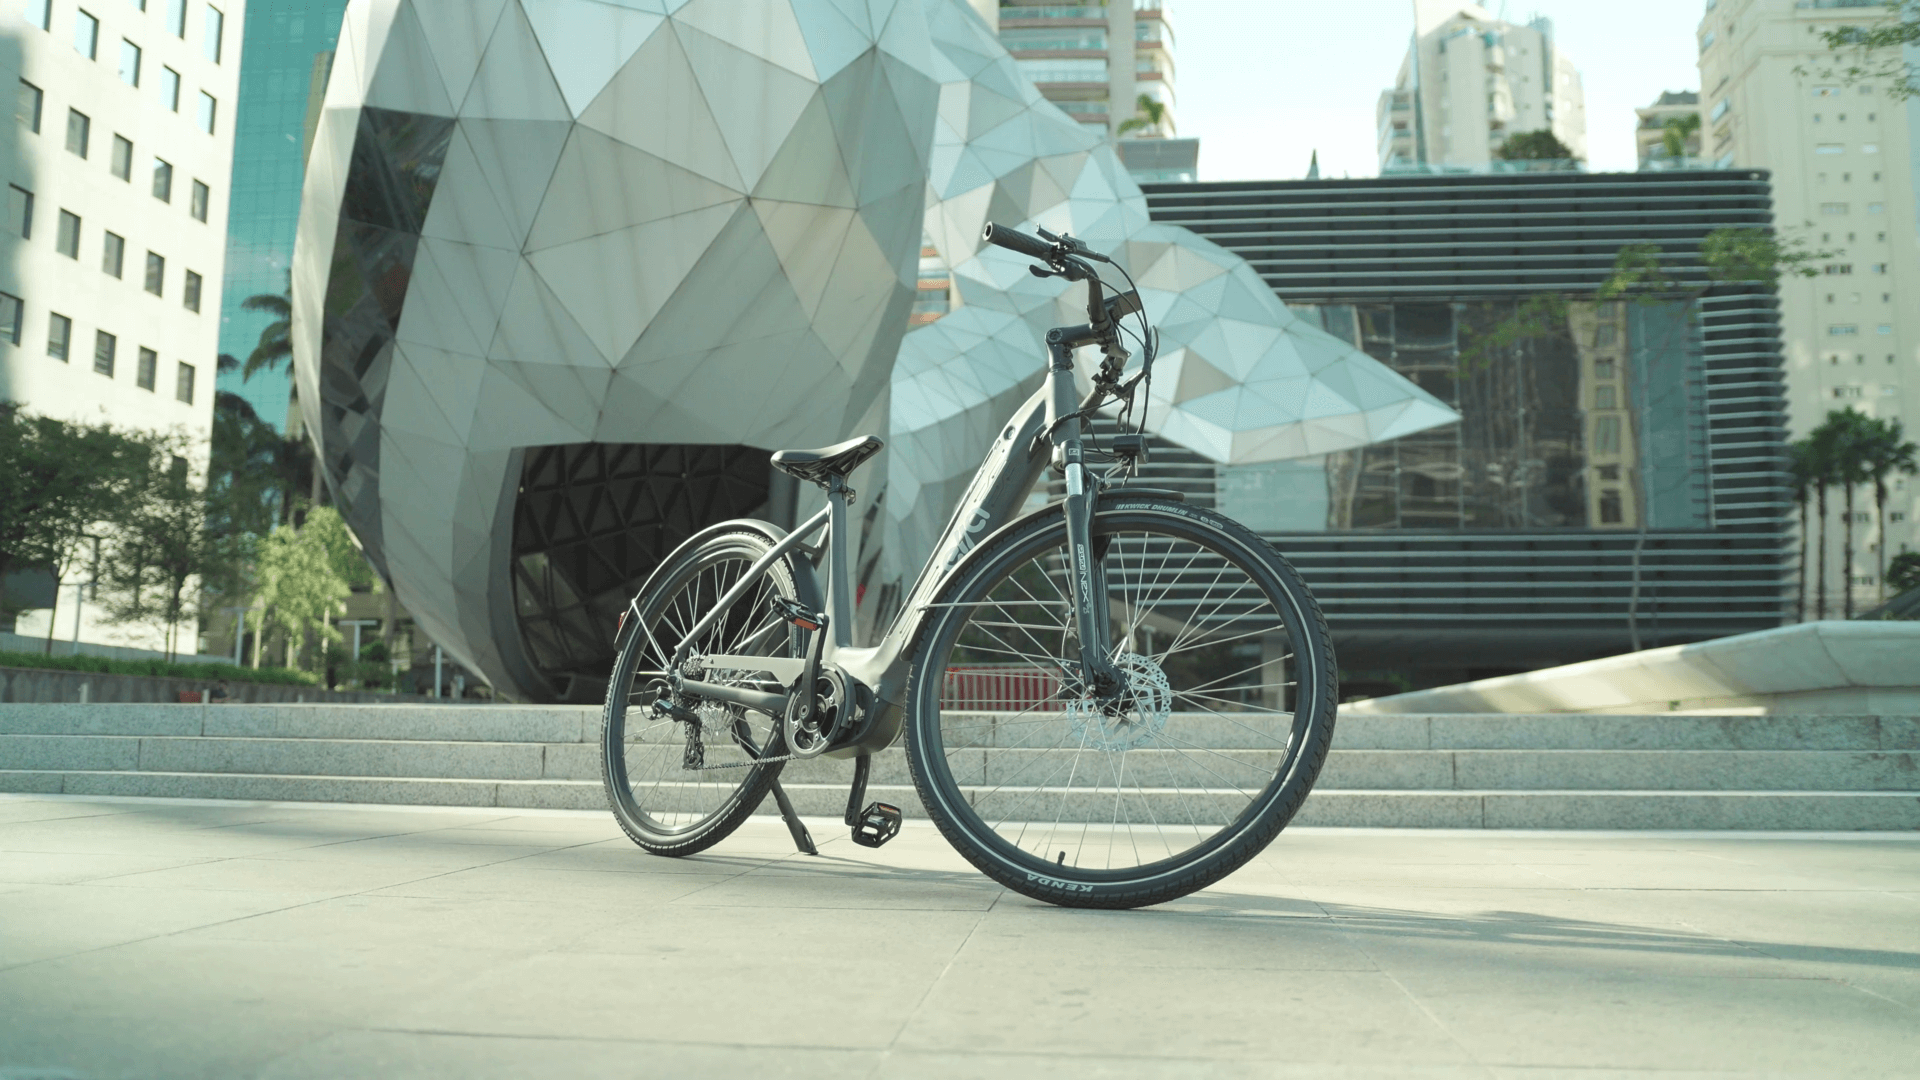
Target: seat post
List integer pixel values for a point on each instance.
(839, 578)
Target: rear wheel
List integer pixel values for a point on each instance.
(1191, 773)
(678, 787)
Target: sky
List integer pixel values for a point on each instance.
(1264, 83)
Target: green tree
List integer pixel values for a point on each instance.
(276, 338)
(60, 484)
(1806, 469)
(1843, 440)
(170, 557)
(306, 575)
(257, 474)
(1886, 451)
(1676, 131)
(1874, 52)
(1903, 573)
(1148, 115)
(1542, 145)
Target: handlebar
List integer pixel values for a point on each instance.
(1017, 241)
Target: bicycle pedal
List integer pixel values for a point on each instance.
(878, 824)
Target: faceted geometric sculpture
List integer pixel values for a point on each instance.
(626, 227)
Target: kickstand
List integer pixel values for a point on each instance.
(801, 839)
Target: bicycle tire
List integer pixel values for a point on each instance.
(999, 822)
(661, 804)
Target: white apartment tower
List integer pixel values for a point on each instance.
(115, 172)
(1469, 81)
(1842, 160)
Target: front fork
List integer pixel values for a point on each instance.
(1085, 556)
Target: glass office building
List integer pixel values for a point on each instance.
(283, 69)
(1618, 475)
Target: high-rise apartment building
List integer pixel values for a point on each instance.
(116, 169)
(1469, 82)
(289, 52)
(1096, 61)
(1650, 133)
(1842, 159)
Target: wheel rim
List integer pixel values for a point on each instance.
(1056, 785)
(650, 775)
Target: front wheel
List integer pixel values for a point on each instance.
(1208, 754)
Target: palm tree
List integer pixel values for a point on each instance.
(276, 338)
(1843, 438)
(1804, 466)
(1677, 131)
(1887, 451)
(1147, 116)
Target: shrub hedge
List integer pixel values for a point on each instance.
(159, 669)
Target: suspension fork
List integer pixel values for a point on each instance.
(1084, 557)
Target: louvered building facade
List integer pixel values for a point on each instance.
(1619, 474)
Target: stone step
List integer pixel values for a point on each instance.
(1717, 770)
(563, 724)
(1687, 810)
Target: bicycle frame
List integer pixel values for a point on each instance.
(1043, 430)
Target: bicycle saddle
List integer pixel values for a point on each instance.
(828, 461)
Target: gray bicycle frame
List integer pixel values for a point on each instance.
(998, 492)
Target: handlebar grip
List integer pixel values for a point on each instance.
(1015, 240)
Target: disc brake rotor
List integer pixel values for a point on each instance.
(1139, 715)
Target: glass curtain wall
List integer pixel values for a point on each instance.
(1574, 415)
(287, 55)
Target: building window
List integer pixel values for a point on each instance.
(208, 109)
(1610, 507)
(1847, 392)
(1605, 334)
(129, 63)
(105, 346)
(1842, 329)
(40, 13)
(1604, 398)
(1833, 209)
(113, 253)
(145, 376)
(1830, 148)
(59, 336)
(86, 35)
(122, 158)
(1876, 208)
(192, 291)
(216, 28)
(1837, 269)
(156, 274)
(67, 242)
(1884, 328)
(20, 211)
(79, 132)
(1065, 70)
(1870, 148)
(1606, 435)
(170, 89)
(183, 385)
(162, 181)
(27, 109)
(202, 195)
(177, 17)
(1603, 369)
(1720, 110)
(10, 312)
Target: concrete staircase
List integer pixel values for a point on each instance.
(1557, 771)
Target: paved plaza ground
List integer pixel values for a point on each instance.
(150, 938)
